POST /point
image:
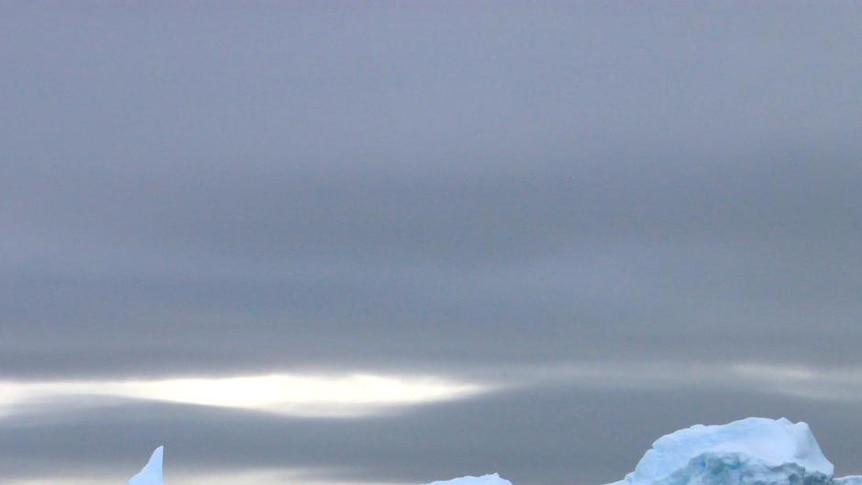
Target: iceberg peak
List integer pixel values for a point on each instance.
(151, 474)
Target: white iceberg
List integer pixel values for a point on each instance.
(751, 451)
(492, 479)
(151, 474)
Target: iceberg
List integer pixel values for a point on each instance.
(492, 479)
(151, 474)
(751, 451)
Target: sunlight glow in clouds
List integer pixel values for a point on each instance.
(353, 395)
(290, 394)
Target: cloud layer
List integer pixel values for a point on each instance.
(614, 220)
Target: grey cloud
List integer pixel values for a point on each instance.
(498, 216)
(653, 299)
(446, 189)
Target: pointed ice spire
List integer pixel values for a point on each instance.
(151, 474)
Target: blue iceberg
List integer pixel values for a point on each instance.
(492, 479)
(751, 451)
(151, 474)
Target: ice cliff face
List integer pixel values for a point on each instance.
(752, 451)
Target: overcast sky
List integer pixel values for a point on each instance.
(398, 242)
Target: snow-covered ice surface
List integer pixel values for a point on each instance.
(755, 451)
(751, 451)
(151, 474)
